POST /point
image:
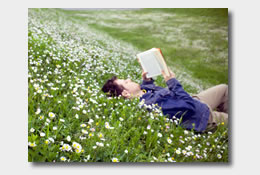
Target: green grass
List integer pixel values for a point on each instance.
(70, 119)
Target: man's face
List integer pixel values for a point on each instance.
(129, 85)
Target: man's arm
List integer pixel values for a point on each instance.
(175, 86)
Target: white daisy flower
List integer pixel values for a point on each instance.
(169, 140)
(32, 144)
(68, 138)
(63, 158)
(42, 134)
(178, 151)
(83, 125)
(115, 160)
(32, 130)
(38, 111)
(51, 115)
(41, 117)
(84, 131)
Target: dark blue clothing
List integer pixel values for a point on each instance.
(174, 101)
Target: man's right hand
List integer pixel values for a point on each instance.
(166, 77)
(144, 76)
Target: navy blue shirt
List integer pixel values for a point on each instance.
(174, 101)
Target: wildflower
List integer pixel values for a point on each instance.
(100, 135)
(126, 151)
(62, 120)
(79, 150)
(186, 132)
(171, 159)
(188, 148)
(32, 144)
(169, 140)
(121, 119)
(68, 138)
(184, 152)
(178, 151)
(99, 144)
(42, 134)
(155, 158)
(47, 142)
(222, 123)
(32, 130)
(190, 153)
(84, 131)
(107, 126)
(149, 127)
(182, 141)
(55, 128)
(83, 125)
(219, 156)
(41, 117)
(145, 132)
(63, 158)
(90, 121)
(38, 111)
(159, 135)
(77, 147)
(115, 160)
(76, 116)
(84, 111)
(51, 115)
(92, 129)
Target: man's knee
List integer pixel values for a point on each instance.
(224, 86)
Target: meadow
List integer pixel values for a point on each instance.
(72, 53)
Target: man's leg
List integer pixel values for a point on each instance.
(216, 97)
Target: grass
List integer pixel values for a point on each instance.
(71, 120)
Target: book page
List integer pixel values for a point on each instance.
(150, 64)
(162, 62)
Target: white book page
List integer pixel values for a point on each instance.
(150, 64)
(162, 62)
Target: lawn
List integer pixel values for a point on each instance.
(72, 53)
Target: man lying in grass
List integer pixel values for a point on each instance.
(196, 111)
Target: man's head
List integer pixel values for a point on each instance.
(126, 88)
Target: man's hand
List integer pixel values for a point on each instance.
(166, 78)
(144, 76)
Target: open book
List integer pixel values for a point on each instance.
(152, 61)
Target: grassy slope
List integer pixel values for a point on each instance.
(67, 66)
(192, 40)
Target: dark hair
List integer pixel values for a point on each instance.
(111, 88)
